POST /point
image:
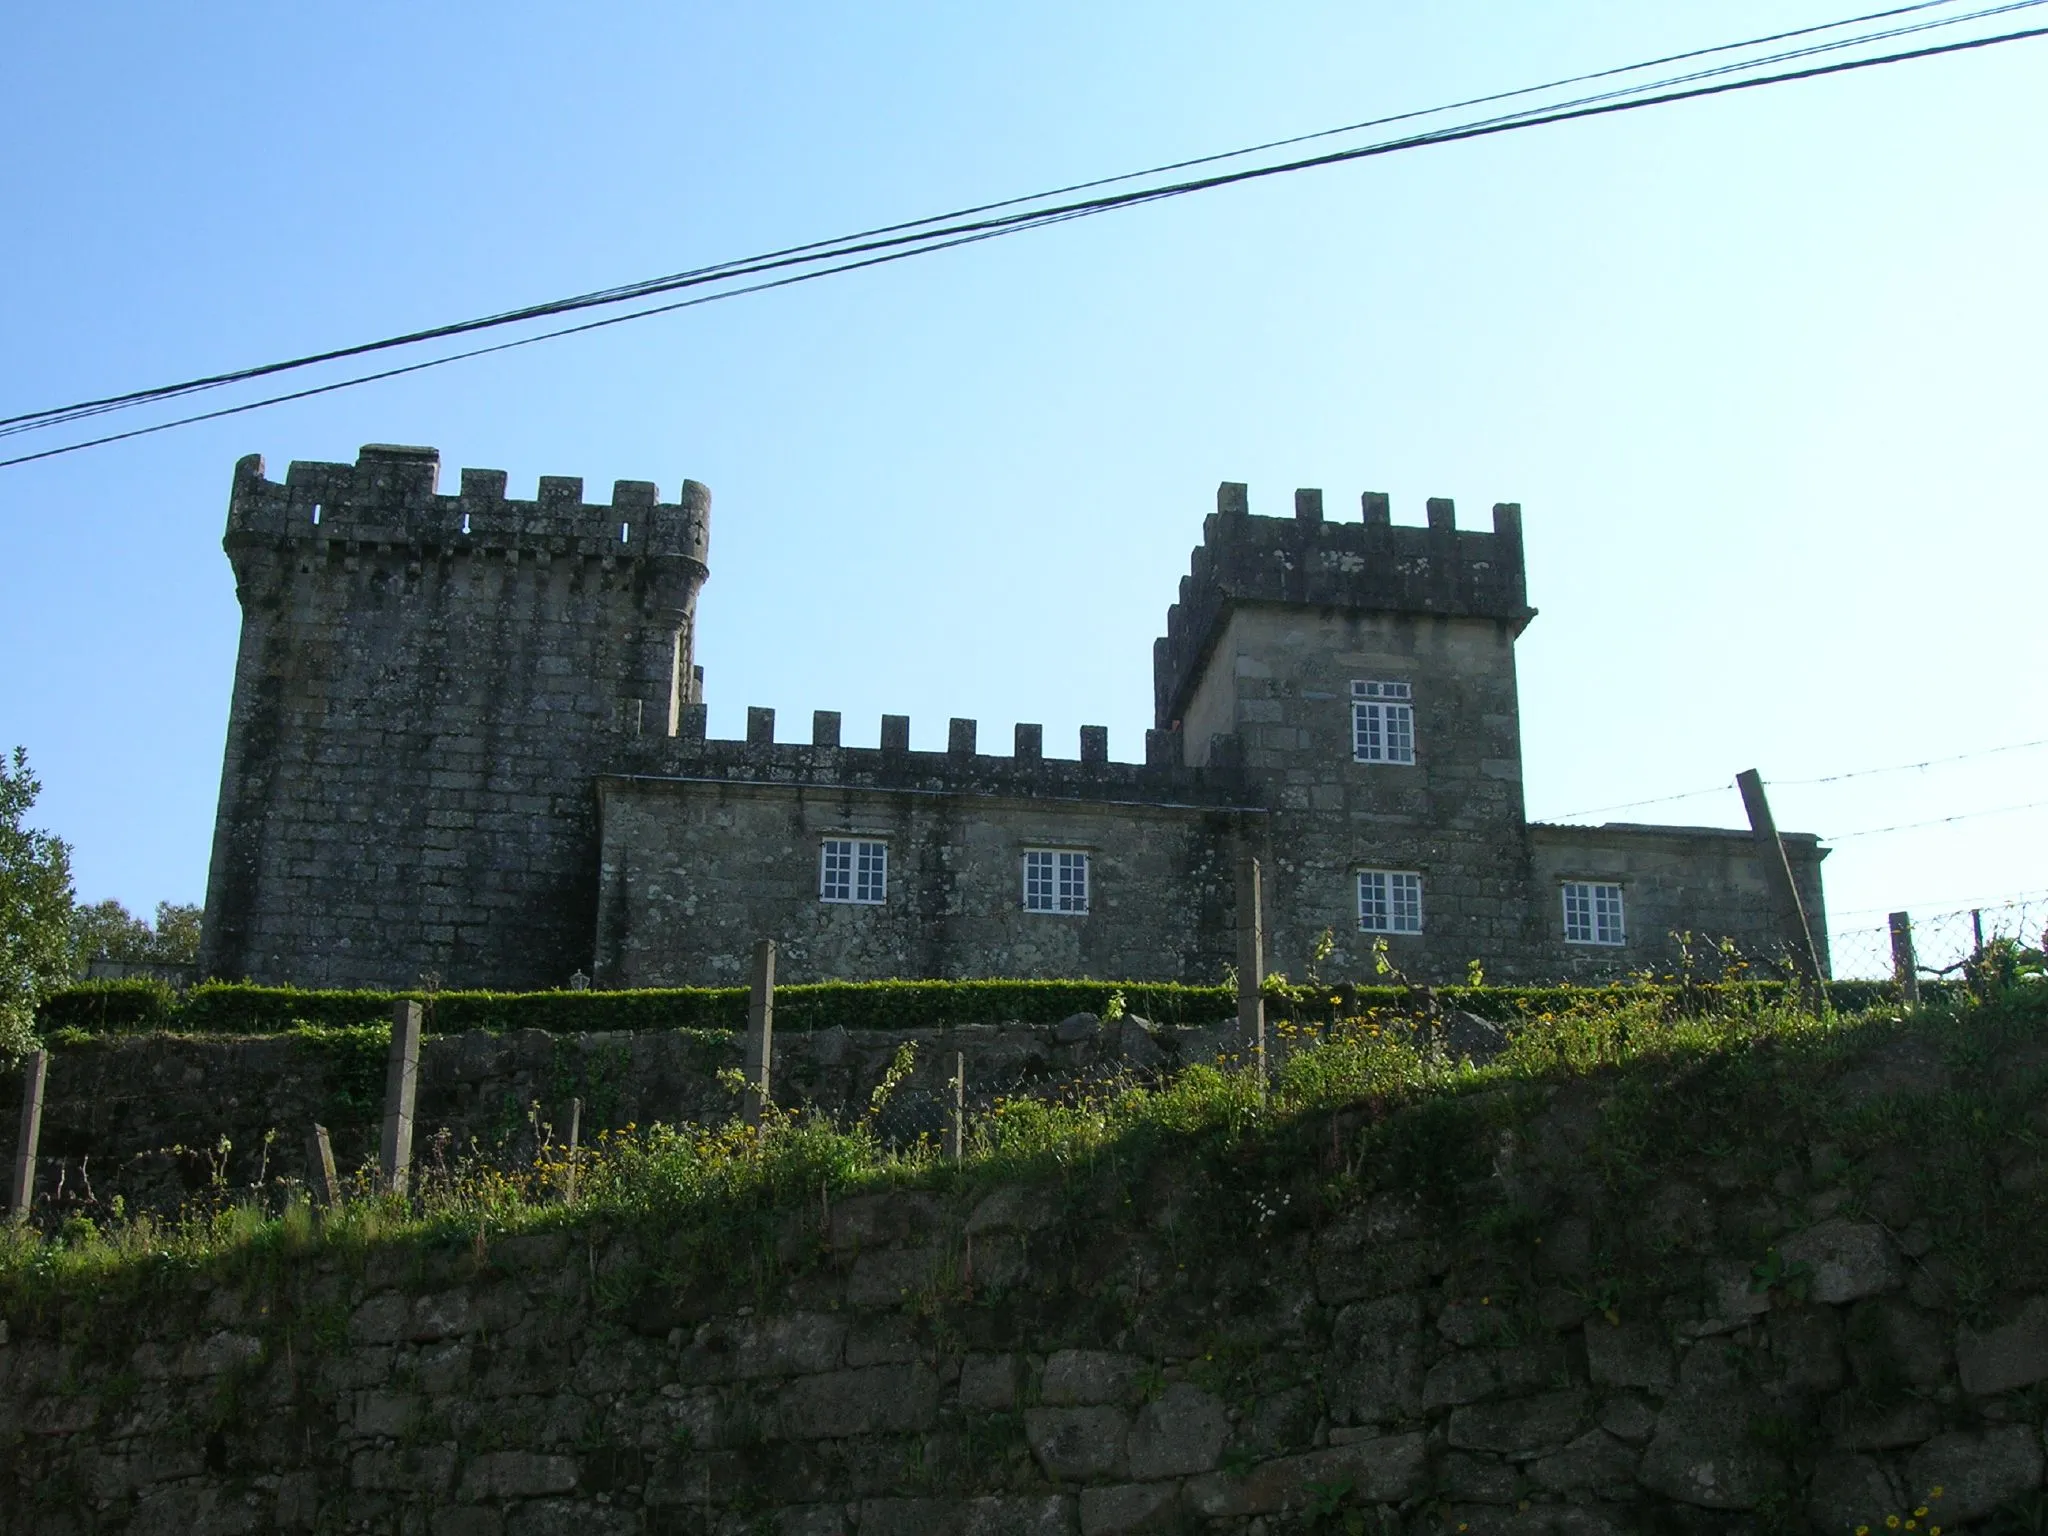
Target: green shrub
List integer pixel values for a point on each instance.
(239, 1008)
(1363, 1109)
(108, 1007)
(233, 1008)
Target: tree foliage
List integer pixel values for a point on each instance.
(106, 930)
(35, 907)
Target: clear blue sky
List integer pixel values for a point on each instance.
(1765, 372)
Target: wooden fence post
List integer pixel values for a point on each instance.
(401, 1087)
(956, 1132)
(35, 1070)
(321, 1178)
(1980, 979)
(1792, 928)
(575, 1140)
(1905, 967)
(761, 1034)
(1251, 965)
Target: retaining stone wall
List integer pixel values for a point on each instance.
(142, 1117)
(1040, 1361)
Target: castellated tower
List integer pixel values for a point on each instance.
(1360, 675)
(426, 689)
(468, 741)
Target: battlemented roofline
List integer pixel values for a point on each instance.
(467, 738)
(1363, 567)
(963, 767)
(390, 496)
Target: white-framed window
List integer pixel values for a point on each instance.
(1389, 901)
(1592, 913)
(1382, 723)
(853, 869)
(1055, 880)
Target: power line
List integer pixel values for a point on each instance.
(1632, 805)
(1932, 762)
(456, 357)
(926, 240)
(644, 287)
(1953, 906)
(1831, 778)
(1939, 821)
(890, 245)
(821, 248)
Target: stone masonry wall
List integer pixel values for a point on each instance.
(1369, 566)
(1704, 880)
(427, 686)
(144, 1118)
(1280, 679)
(467, 743)
(1218, 1354)
(694, 871)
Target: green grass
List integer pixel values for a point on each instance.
(1361, 1107)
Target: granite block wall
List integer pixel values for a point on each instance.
(1067, 1359)
(1700, 880)
(1278, 693)
(694, 871)
(467, 743)
(425, 690)
(160, 1122)
(1367, 566)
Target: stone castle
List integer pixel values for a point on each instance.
(467, 740)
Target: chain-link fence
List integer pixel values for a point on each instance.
(1943, 942)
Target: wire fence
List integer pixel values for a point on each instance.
(923, 1110)
(1943, 942)
(164, 1178)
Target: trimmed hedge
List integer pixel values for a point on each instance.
(241, 1009)
(226, 1008)
(109, 1007)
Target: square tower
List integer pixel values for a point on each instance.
(426, 689)
(1361, 677)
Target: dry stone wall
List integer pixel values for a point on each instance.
(160, 1121)
(1214, 1352)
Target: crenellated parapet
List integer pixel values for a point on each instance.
(1025, 772)
(426, 686)
(390, 498)
(1369, 566)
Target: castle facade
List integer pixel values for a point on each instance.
(467, 741)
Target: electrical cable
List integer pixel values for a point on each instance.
(1939, 821)
(1631, 805)
(824, 248)
(930, 239)
(1932, 762)
(1955, 906)
(895, 249)
(1831, 778)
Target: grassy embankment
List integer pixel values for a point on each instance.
(1957, 1088)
